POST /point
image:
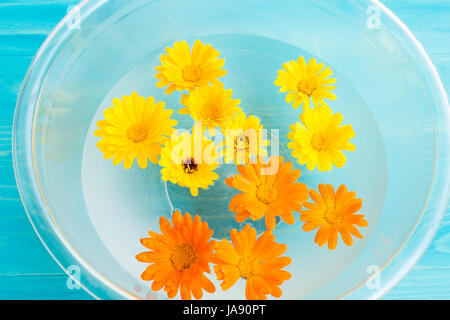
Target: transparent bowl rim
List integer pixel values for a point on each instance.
(99, 286)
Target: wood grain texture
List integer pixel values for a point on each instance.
(26, 269)
(429, 21)
(38, 287)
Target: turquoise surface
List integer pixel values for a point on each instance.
(26, 269)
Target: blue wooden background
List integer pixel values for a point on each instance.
(26, 269)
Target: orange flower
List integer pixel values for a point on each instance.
(268, 190)
(257, 261)
(333, 213)
(179, 257)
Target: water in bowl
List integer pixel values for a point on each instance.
(124, 204)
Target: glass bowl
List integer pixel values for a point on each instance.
(84, 209)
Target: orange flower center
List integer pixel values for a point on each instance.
(241, 142)
(333, 216)
(189, 166)
(306, 86)
(137, 133)
(182, 257)
(191, 73)
(266, 193)
(248, 267)
(320, 142)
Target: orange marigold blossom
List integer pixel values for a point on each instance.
(333, 213)
(179, 256)
(258, 261)
(269, 195)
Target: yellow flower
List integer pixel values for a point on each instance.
(184, 69)
(189, 160)
(244, 138)
(134, 128)
(319, 139)
(303, 82)
(212, 105)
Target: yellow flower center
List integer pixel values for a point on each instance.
(266, 193)
(211, 110)
(320, 142)
(182, 257)
(306, 86)
(333, 216)
(241, 142)
(191, 73)
(248, 267)
(137, 133)
(189, 166)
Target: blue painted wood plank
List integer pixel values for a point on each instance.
(31, 17)
(429, 21)
(12, 71)
(38, 286)
(16, 233)
(26, 269)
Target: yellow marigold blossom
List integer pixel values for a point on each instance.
(134, 127)
(179, 257)
(212, 105)
(333, 213)
(320, 139)
(268, 190)
(303, 82)
(189, 160)
(244, 138)
(184, 69)
(257, 261)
